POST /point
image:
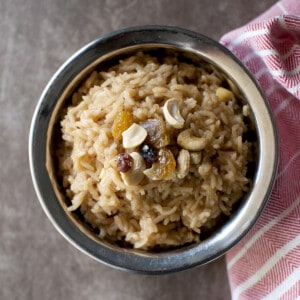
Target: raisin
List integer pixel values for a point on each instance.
(122, 122)
(148, 153)
(164, 168)
(158, 135)
(167, 163)
(124, 162)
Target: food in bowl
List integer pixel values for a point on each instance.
(155, 151)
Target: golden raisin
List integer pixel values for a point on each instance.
(165, 165)
(122, 122)
(158, 135)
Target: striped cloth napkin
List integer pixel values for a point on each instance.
(266, 263)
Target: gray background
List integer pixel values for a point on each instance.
(36, 38)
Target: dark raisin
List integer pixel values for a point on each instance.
(149, 154)
(124, 162)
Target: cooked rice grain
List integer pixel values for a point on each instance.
(158, 213)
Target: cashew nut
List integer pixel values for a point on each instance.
(188, 141)
(172, 113)
(183, 163)
(224, 95)
(134, 136)
(135, 175)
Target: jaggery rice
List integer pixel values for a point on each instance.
(180, 191)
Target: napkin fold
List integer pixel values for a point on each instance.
(266, 263)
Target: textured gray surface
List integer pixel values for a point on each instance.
(36, 38)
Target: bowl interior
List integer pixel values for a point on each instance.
(97, 56)
(103, 63)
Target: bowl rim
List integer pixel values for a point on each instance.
(140, 261)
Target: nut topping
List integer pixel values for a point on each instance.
(134, 136)
(172, 113)
(183, 163)
(188, 141)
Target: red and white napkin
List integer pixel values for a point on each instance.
(266, 263)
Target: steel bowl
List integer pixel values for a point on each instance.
(109, 48)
